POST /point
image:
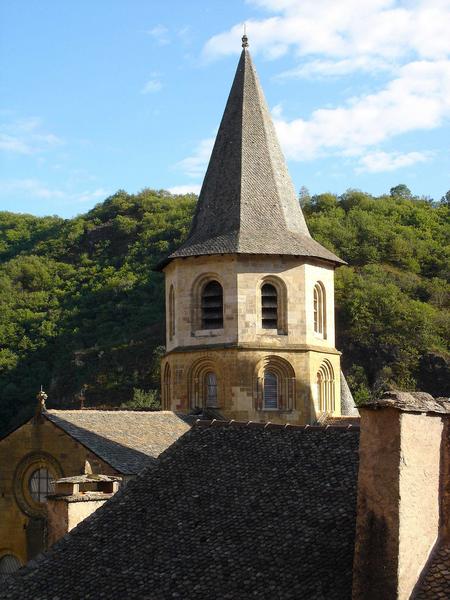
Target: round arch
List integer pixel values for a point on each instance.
(320, 310)
(325, 386)
(284, 373)
(281, 302)
(9, 563)
(204, 390)
(198, 286)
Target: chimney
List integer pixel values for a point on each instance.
(402, 505)
(74, 499)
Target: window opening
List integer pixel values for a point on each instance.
(40, 485)
(8, 565)
(171, 312)
(325, 382)
(269, 305)
(211, 390)
(212, 306)
(270, 395)
(319, 309)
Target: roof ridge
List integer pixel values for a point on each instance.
(268, 425)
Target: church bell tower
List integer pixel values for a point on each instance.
(250, 294)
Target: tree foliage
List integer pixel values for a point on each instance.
(81, 307)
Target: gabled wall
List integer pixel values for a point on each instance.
(38, 442)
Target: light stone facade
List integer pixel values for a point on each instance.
(238, 353)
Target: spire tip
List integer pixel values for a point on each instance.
(244, 37)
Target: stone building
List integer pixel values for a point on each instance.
(250, 510)
(250, 294)
(59, 443)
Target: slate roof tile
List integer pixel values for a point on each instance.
(126, 440)
(436, 582)
(229, 512)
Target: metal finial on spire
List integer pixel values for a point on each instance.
(244, 37)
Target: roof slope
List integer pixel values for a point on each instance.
(247, 203)
(124, 439)
(348, 407)
(228, 512)
(435, 584)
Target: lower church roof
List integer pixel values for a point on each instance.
(127, 440)
(229, 512)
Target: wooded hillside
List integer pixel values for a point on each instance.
(81, 308)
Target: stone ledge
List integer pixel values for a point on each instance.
(410, 402)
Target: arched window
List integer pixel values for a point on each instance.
(211, 390)
(269, 306)
(167, 387)
(275, 384)
(325, 385)
(40, 485)
(171, 312)
(8, 565)
(212, 306)
(270, 391)
(320, 320)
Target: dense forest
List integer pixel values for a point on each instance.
(82, 311)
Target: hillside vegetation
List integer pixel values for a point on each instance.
(82, 312)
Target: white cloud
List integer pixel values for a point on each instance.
(320, 68)
(26, 136)
(152, 86)
(377, 162)
(33, 187)
(384, 30)
(36, 189)
(195, 165)
(160, 34)
(89, 196)
(419, 98)
(405, 43)
(189, 188)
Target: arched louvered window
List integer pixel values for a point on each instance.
(8, 565)
(171, 312)
(320, 321)
(269, 306)
(211, 390)
(325, 385)
(212, 306)
(270, 390)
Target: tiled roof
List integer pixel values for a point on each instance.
(248, 204)
(229, 512)
(126, 440)
(436, 583)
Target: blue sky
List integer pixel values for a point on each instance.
(109, 94)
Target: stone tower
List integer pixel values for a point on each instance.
(250, 294)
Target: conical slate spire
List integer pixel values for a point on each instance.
(247, 204)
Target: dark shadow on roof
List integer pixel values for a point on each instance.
(229, 512)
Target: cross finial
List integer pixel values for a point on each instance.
(245, 38)
(41, 398)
